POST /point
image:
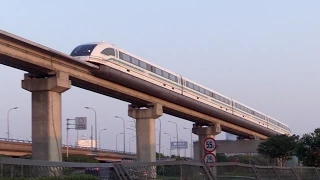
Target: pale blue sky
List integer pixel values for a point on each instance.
(261, 53)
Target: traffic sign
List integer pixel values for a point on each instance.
(179, 144)
(210, 159)
(81, 123)
(210, 144)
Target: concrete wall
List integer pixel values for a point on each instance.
(231, 147)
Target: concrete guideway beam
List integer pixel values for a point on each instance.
(20, 53)
(145, 130)
(46, 114)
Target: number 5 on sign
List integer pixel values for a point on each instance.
(210, 144)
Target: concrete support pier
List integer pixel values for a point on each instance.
(205, 132)
(145, 130)
(46, 114)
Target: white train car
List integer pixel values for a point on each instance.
(106, 54)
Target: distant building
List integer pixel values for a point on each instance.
(231, 137)
(86, 142)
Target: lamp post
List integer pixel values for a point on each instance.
(99, 136)
(159, 138)
(130, 142)
(124, 133)
(95, 124)
(117, 140)
(185, 150)
(191, 145)
(178, 152)
(8, 130)
(159, 144)
(164, 148)
(170, 142)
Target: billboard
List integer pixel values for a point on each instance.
(179, 144)
(86, 143)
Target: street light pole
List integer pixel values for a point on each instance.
(95, 124)
(191, 143)
(99, 136)
(185, 150)
(117, 140)
(170, 142)
(124, 133)
(159, 138)
(130, 143)
(178, 152)
(8, 130)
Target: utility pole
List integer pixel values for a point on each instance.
(68, 135)
(159, 138)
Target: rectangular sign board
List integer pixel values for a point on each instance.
(181, 145)
(80, 123)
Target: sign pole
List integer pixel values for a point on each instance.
(77, 138)
(67, 143)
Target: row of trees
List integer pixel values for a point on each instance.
(283, 147)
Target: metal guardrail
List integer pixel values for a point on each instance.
(71, 146)
(11, 168)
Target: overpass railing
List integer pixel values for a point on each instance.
(70, 146)
(11, 168)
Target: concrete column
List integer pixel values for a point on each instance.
(145, 130)
(203, 133)
(46, 114)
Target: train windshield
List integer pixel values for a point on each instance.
(83, 50)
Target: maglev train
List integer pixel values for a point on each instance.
(103, 53)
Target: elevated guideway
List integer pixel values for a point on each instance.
(45, 62)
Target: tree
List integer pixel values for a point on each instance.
(222, 157)
(308, 149)
(281, 147)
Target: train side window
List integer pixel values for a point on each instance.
(165, 74)
(207, 92)
(158, 71)
(190, 85)
(172, 77)
(125, 57)
(135, 61)
(149, 67)
(196, 87)
(143, 65)
(108, 52)
(201, 90)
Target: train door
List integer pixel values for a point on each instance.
(117, 52)
(182, 83)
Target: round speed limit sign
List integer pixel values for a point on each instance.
(209, 159)
(210, 144)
